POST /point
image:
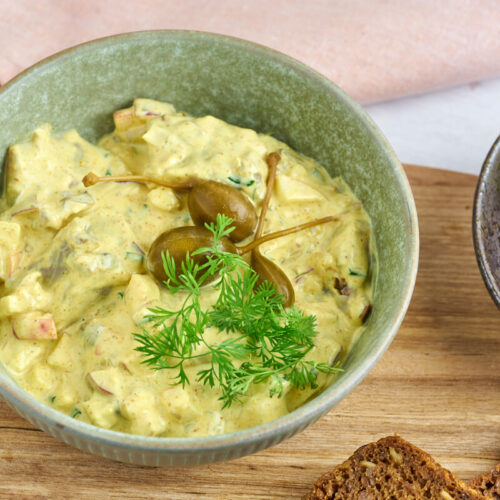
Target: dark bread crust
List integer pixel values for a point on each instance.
(488, 483)
(391, 469)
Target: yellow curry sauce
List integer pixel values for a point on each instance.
(75, 288)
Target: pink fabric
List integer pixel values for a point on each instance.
(373, 49)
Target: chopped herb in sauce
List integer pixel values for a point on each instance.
(353, 272)
(75, 413)
(134, 256)
(138, 248)
(238, 181)
(300, 275)
(317, 174)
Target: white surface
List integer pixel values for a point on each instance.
(452, 129)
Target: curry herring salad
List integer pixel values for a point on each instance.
(185, 277)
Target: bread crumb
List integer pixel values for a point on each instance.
(395, 455)
(446, 495)
(368, 464)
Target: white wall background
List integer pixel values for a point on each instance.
(452, 129)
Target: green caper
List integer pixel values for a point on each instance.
(207, 199)
(179, 242)
(269, 271)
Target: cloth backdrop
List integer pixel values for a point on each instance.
(374, 49)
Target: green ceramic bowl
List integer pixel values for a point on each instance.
(250, 86)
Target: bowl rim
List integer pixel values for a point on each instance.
(311, 410)
(492, 159)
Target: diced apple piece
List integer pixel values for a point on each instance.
(140, 408)
(128, 125)
(51, 158)
(216, 424)
(292, 190)
(44, 378)
(29, 296)
(102, 411)
(164, 199)
(65, 395)
(149, 107)
(34, 326)
(157, 135)
(141, 291)
(22, 356)
(10, 234)
(124, 118)
(19, 355)
(10, 237)
(62, 356)
(109, 381)
(177, 402)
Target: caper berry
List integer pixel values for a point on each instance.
(179, 242)
(271, 272)
(207, 199)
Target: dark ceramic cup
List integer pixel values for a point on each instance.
(486, 222)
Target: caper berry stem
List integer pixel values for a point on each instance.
(90, 179)
(284, 232)
(272, 160)
(266, 269)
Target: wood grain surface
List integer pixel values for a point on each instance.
(438, 386)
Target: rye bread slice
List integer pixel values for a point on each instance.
(391, 469)
(488, 484)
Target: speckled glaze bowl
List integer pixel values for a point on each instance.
(486, 222)
(250, 86)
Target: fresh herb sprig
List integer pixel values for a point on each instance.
(266, 341)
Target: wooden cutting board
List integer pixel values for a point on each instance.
(438, 386)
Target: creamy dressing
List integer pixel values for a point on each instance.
(75, 288)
